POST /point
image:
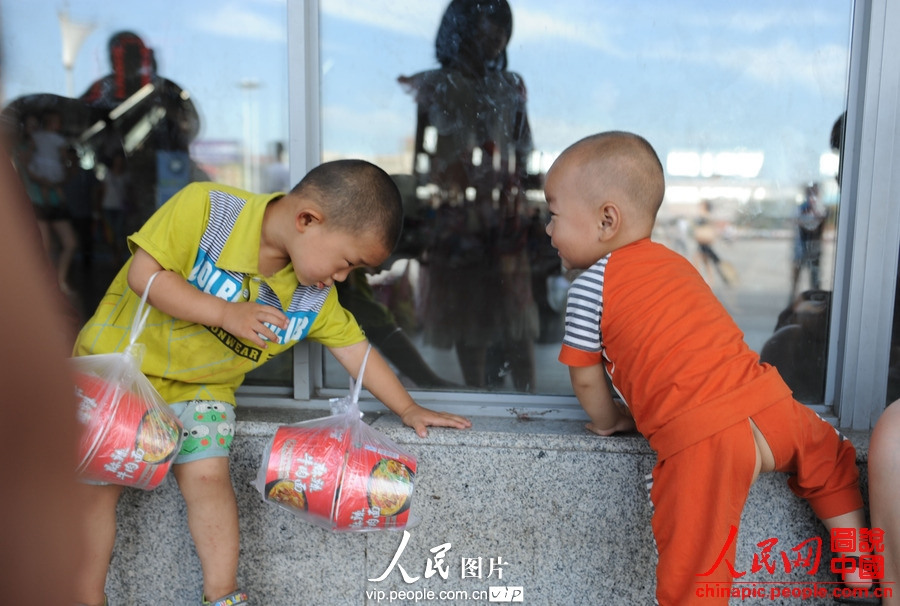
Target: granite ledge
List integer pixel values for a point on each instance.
(486, 432)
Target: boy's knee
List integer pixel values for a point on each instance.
(213, 472)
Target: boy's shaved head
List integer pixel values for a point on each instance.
(621, 163)
(357, 197)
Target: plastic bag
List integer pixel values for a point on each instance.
(130, 435)
(337, 472)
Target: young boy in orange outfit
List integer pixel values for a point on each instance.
(714, 415)
(239, 278)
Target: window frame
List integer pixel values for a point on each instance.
(865, 255)
(869, 221)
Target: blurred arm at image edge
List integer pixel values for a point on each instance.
(39, 512)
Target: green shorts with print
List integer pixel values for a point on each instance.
(208, 429)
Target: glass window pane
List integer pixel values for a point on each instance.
(739, 100)
(148, 97)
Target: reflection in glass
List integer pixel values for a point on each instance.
(145, 99)
(472, 142)
(738, 99)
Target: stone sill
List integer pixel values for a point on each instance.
(554, 501)
(487, 432)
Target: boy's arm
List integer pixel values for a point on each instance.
(592, 391)
(381, 381)
(172, 294)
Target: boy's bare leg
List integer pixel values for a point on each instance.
(884, 495)
(213, 520)
(854, 519)
(97, 540)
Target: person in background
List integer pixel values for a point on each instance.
(705, 234)
(115, 191)
(47, 163)
(808, 239)
(357, 296)
(82, 192)
(38, 156)
(150, 118)
(472, 143)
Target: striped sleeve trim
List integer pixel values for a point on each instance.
(584, 308)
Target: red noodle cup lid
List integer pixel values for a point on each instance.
(303, 469)
(376, 490)
(124, 440)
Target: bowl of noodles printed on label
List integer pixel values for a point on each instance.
(302, 470)
(376, 490)
(124, 440)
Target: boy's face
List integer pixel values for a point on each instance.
(323, 255)
(572, 227)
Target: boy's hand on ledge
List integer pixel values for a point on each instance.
(419, 418)
(624, 424)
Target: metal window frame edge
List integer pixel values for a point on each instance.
(869, 220)
(304, 144)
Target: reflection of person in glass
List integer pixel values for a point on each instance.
(38, 152)
(472, 141)
(706, 234)
(47, 167)
(150, 117)
(357, 296)
(808, 238)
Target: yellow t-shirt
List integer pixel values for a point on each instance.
(210, 234)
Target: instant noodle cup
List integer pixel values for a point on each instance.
(337, 472)
(303, 469)
(376, 489)
(124, 440)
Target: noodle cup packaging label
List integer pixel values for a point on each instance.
(123, 440)
(304, 468)
(376, 490)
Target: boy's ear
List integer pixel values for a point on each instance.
(609, 219)
(306, 217)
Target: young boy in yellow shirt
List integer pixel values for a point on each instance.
(241, 277)
(713, 414)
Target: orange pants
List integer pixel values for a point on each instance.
(699, 493)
